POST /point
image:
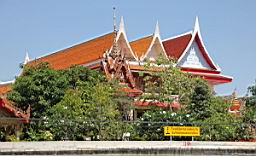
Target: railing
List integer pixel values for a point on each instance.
(64, 129)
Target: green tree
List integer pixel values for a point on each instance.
(159, 86)
(251, 100)
(66, 119)
(89, 111)
(200, 100)
(169, 80)
(40, 87)
(76, 100)
(199, 105)
(249, 113)
(150, 125)
(102, 108)
(219, 124)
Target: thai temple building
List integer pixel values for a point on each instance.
(188, 49)
(120, 58)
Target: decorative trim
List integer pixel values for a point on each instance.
(122, 31)
(197, 32)
(199, 70)
(7, 82)
(155, 37)
(212, 75)
(177, 36)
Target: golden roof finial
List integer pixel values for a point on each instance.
(115, 52)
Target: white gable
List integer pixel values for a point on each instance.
(123, 42)
(194, 58)
(155, 51)
(124, 46)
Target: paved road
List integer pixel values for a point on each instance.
(127, 148)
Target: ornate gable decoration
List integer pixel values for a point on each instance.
(196, 51)
(123, 42)
(156, 47)
(194, 59)
(115, 67)
(7, 109)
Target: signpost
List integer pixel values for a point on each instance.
(181, 131)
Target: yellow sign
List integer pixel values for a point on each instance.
(181, 131)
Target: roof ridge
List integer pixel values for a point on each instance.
(177, 36)
(7, 82)
(147, 36)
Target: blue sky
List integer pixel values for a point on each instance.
(228, 29)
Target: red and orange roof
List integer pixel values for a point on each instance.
(141, 46)
(13, 111)
(4, 89)
(79, 54)
(175, 47)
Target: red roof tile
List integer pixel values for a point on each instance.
(5, 89)
(174, 104)
(132, 92)
(14, 111)
(79, 54)
(176, 46)
(141, 46)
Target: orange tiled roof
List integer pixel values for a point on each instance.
(141, 46)
(79, 54)
(176, 46)
(5, 89)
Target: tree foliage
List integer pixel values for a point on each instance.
(40, 87)
(251, 100)
(167, 81)
(199, 105)
(219, 125)
(249, 112)
(79, 103)
(150, 125)
(73, 103)
(200, 100)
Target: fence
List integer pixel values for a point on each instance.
(63, 129)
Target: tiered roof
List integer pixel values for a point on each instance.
(90, 53)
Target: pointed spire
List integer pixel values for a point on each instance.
(234, 95)
(157, 29)
(121, 25)
(114, 20)
(26, 58)
(196, 27)
(115, 52)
